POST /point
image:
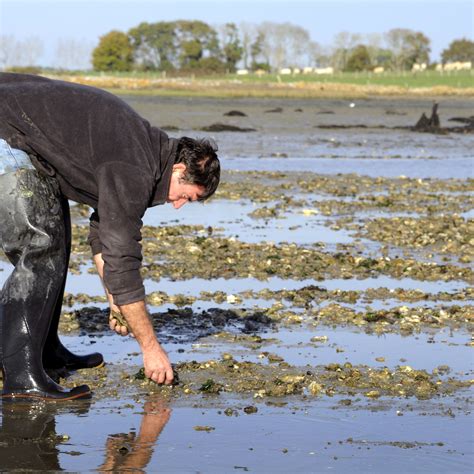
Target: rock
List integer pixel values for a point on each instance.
(315, 388)
(209, 386)
(222, 127)
(235, 113)
(373, 394)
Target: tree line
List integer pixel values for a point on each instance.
(186, 45)
(191, 46)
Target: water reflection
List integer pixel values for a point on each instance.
(28, 437)
(132, 452)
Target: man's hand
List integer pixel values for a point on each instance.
(157, 365)
(118, 324)
(134, 317)
(155, 360)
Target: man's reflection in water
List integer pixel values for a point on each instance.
(131, 452)
(28, 438)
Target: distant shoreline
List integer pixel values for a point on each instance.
(248, 88)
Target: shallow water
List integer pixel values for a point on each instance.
(233, 218)
(304, 434)
(308, 438)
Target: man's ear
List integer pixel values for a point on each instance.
(181, 167)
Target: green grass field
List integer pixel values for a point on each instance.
(457, 79)
(400, 79)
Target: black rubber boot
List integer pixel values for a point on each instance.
(33, 236)
(55, 355)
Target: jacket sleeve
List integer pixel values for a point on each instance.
(124, 194)
(93, 239)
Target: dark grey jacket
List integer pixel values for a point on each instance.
(102, 153)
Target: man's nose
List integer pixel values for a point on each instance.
(180, 203)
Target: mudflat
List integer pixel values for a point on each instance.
(318, 310)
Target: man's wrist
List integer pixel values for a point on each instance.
(150, 344)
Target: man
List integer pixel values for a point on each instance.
(65, 141)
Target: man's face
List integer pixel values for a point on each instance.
(181, 192)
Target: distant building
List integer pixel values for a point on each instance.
(324, 70)
(418, 67)
(458, 66)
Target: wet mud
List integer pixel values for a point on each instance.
(274, 379)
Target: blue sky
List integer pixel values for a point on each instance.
(86, 20)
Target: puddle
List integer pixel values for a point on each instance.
(439, 168)
(234, 218)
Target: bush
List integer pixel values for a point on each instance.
(114, 53)
(263, 66)
(359, 60)
(211, 64)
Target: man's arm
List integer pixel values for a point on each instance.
(155, 360)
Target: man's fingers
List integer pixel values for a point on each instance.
(161, 376)
(115, 326)
(169, 376)
(157, 376)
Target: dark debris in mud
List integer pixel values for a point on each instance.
(175, 325)
(222, 127)
(235, 113)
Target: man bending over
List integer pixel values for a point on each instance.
(61, 141)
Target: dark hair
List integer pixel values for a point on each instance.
(202, 165)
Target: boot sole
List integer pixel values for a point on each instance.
(26, 396)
